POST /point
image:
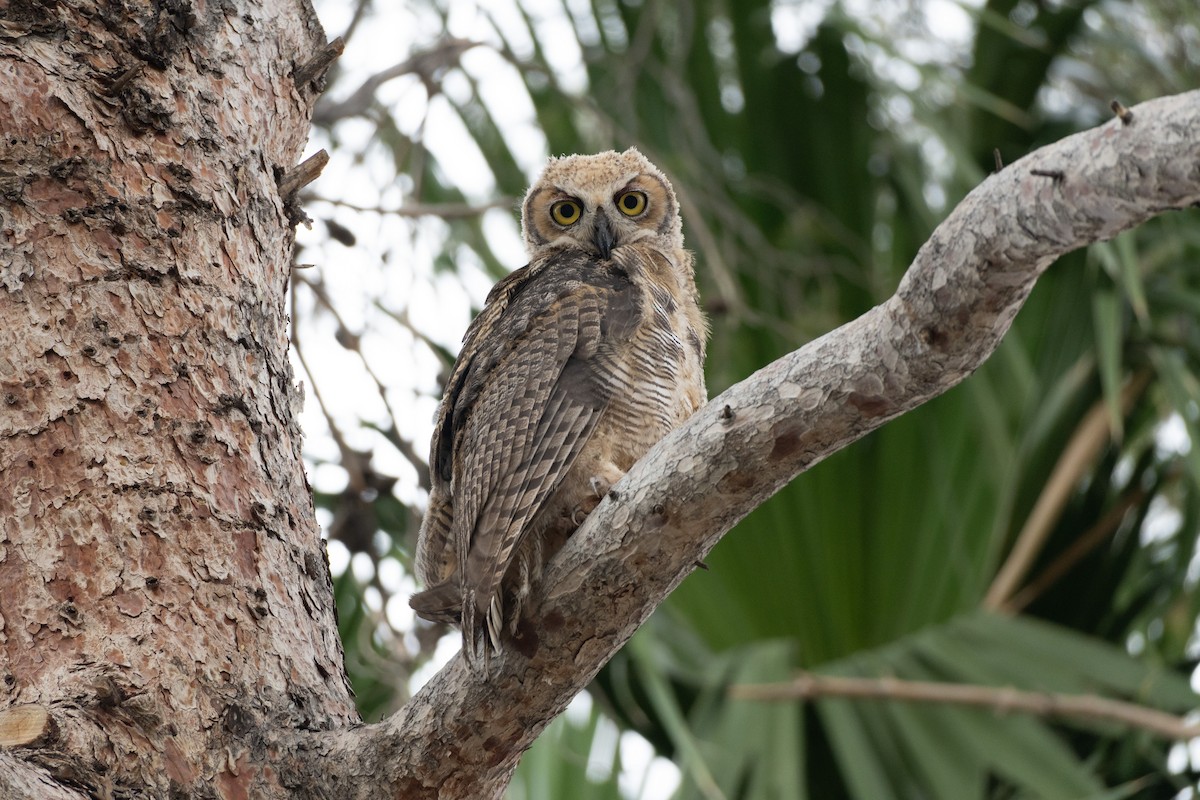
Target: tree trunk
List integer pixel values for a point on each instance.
(164, 593)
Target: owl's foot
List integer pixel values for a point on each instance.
(439, 603)
(588, 504)
(600, 484)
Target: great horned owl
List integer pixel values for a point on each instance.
(578, 363)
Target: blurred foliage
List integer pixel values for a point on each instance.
(814, 146)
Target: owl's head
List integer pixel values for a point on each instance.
(601, 202)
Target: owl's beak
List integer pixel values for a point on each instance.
(603, 235)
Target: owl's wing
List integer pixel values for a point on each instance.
(534, 390)
(436, 558)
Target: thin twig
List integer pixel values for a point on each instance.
(1092, 434)
(346, 452)
(319, 64)
(442, 210)
(123, 81)
(1056, 175)
(360, 9)
(1001, 700)
(425, 64)
(1123, 113)
(405, 447)
(303, 174)
(1100, 532)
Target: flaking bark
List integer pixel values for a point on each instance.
(164, 595)
(165, 598)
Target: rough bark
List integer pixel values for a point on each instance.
(164, 598)
(164, 594)
(461, 738)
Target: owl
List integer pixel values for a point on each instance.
(578, 363)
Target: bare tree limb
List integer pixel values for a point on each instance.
(1002, 700)
(444, 210)
(426, 64)
(462, 737)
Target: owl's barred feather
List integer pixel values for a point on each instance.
(576, 366)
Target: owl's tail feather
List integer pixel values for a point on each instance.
(441, 602)
(481, 637)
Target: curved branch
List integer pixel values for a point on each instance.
(462, 737)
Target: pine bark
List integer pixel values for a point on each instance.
(166, 614)
(164, 594)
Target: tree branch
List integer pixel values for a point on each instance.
(446, 211)
(1001, 700)
(462, 737)
(427, 64)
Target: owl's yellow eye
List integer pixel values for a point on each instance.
(565, 212)
(632, 203)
